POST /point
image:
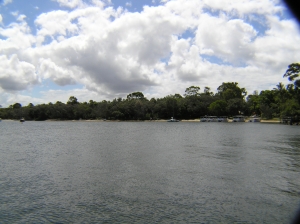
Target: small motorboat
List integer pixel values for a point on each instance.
(22, 120)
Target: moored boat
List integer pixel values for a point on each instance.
(212, 119)
(222, 119)
(238, 118)
(203, 119)
(173, 120)
(254, 119)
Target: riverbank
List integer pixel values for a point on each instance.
(273, 121)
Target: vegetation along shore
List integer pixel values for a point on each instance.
(229, 100)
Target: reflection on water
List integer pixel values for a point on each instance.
(146, 172)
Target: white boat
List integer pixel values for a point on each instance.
(173, 120)
(203, 119)
(222, 119)
(254, 119)
(238, 118)
(212, 119)
(22, 119)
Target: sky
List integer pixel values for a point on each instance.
(101, 50)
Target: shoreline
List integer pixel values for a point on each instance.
(194, 120)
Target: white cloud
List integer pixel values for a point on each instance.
(6, 2)
(49, 70)
(1, 19)
(244, 7)
(15, 13)
(11, 99)
(17, 37)
(160, 51)
(21, 18)
(70, 3)
(82, 95)
(15, 74)
(230, 40)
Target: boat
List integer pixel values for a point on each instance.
(22, 120)
(203, 119)
(173, 120)
(254, 119)
(212, 119)
(222, 119)
(238, 118)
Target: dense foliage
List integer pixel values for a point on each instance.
(228, 101)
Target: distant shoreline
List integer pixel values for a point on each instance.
(194, 120)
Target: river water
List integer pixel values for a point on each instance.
(148, 172)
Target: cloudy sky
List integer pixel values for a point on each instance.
(92, 49)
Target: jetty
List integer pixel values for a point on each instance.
(290, 120)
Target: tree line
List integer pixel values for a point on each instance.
(229, 100)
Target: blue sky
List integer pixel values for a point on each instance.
(53, 49)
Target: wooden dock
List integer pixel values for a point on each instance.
(290, 120)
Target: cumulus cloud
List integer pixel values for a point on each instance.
(15, 74)
(230, 39)
(160, 50)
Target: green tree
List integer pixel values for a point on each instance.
(269, 107)
(192, 91)
(236, 106)
(135, 95)
(291, 108)
(218, 108)
(292, 73)
(16, 106)
(207, 91)
(72, 100)
(231, 90)
(253, 103)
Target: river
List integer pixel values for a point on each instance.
(148, 172)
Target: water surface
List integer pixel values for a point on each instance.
(148, 172)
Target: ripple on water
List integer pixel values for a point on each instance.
(148, 172)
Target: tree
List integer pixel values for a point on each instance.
(92, 103)
(135, 95)
(192, 91)
(236, 106)
(253, 103)
(292, 73)
(266, 111)
(231, 90)
(16, 106)
(291, 108)
(207, 91)
(177, 95)
(72, 100)
(218, 108)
